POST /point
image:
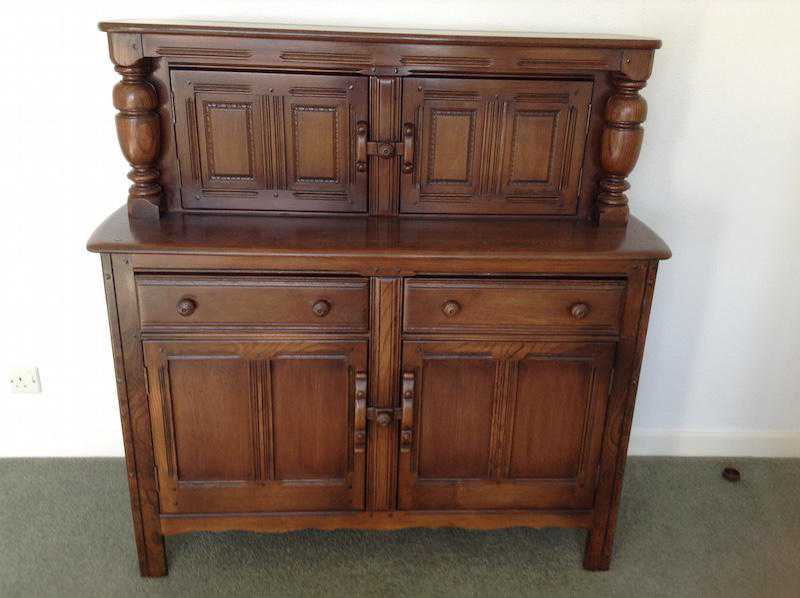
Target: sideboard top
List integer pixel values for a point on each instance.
(379, 35)
(363, 238)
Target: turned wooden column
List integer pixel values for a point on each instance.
(139, 132)
(625, 111)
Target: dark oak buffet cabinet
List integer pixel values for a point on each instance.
(374, 279)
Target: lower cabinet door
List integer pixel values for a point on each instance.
(244, 426)
(504, 425)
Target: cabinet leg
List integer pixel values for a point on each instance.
(151, 552)
(598, 550)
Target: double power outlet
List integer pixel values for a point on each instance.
(25, 380)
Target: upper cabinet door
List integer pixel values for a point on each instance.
(495, 147)
(262, 141)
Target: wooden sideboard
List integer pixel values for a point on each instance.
(376, 279)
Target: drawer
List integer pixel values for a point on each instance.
(513, 306)
(253, 301)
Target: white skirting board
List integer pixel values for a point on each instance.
(722, 443)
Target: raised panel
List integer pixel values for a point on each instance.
(544, 152)
(451, 146)
(504, 425)
(255, 425)
(495, 147)
(229, 139)
(455, 416)
(264, 141)
(319, 136)
(315, 139)
(309, 416)
(532, 145)
(213, 414)
(551, 394)
(225, 134)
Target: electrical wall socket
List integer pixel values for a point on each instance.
(25, 380)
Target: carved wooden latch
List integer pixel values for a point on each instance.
(384, 416)
(384, 149)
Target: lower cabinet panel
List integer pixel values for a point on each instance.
(455, 436)
(270, 426)
(256, 426)
(504, 425)
(217, 439)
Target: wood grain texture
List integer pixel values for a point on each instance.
(386, 305)
(385, 113)
(134, 414)
(600, 540)
(488, 435)
(625, 111)
(211, 414)
(376, 279)
(512, 306)
(372, 242)
(211, 29)
(269, 142)
(283, 154)
(495, 146)
(250, 303)
(256, 425)
(139, 134)
(373, 520)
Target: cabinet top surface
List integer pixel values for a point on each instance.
(364, 236)
(385, 35)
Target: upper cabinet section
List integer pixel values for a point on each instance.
(256, 118)
(258, 141)
(495, 147)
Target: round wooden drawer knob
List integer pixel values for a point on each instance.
(451, 308)
(579, 311)
(186, 307)
(321, 308)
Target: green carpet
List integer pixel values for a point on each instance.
(684, 531)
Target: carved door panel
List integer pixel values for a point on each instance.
(503, 425)
(258, 426)
(262, 141)
(495, 147)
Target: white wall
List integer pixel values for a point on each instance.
(719, 179)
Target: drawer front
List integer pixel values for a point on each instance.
(245, 301)
(514, 306)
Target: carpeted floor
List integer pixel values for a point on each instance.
(684, 531)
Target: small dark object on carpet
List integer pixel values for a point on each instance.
(731, 474)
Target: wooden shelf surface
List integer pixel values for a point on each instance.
(368, 236)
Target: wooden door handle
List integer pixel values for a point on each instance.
(186, 307)
(362, 131)
(451, 308)
(360, 417)
(407, 410)
(321, 308)
(580, 310)
(408, 148)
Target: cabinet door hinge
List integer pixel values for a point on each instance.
(155, 472)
